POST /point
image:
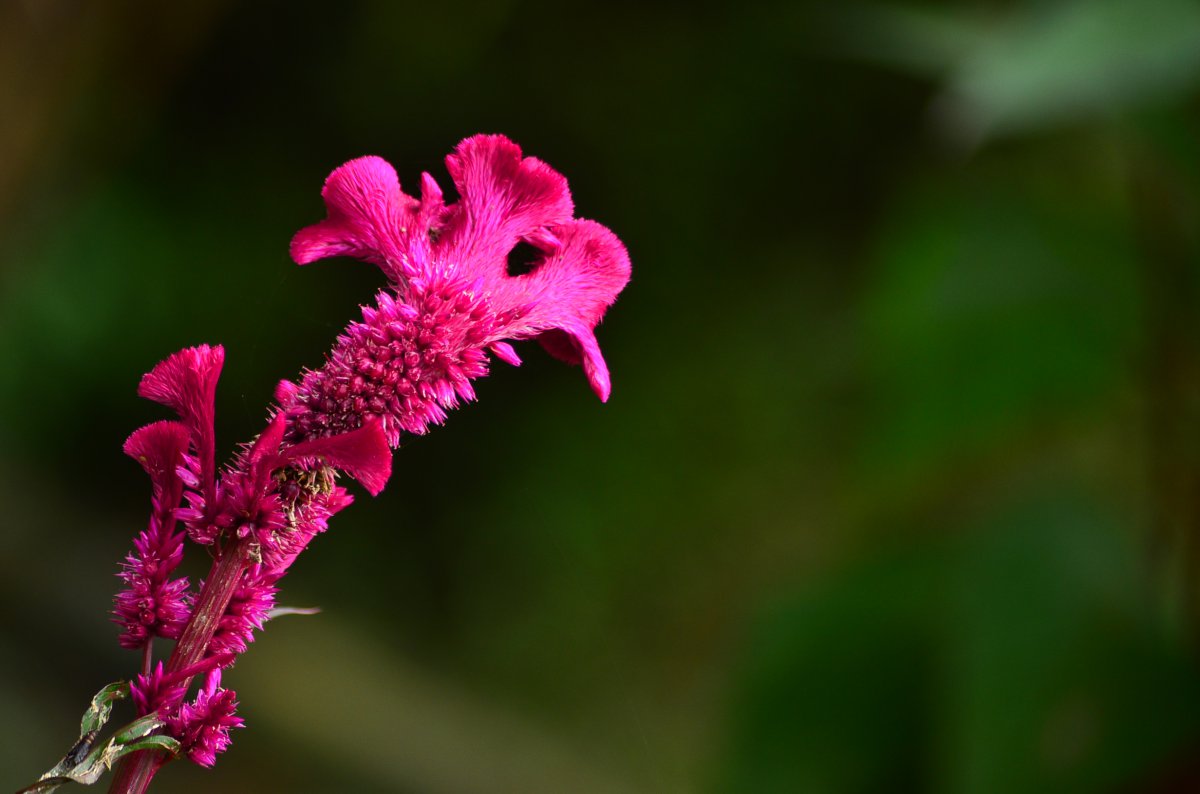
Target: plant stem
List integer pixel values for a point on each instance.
(135, 771)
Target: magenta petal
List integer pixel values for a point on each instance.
(569, 292)
(363, 454)
(366, 217)
(504, 197)
(580, 347)
(187, 382)
(268, 441)
(159, 448)
(579, 281)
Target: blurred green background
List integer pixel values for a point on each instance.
(899, 487)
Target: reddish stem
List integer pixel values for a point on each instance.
(135, 771)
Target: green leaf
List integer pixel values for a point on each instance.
(98, 713)
(138, 728)
(86, 761)
(93, 720)
(1079, 60)
(157, 742)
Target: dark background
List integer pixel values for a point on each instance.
(897, 489)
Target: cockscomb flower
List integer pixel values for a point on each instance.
(153, 603)
(187, 382)
(251, 498)
(415, 352)
(202, 726)
(450, 305)
(152, 690)
(161, 689)
(276, 496)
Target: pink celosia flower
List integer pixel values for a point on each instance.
(161, 689)
(153, 603)
(202, 726)
(155, 689)
(187, 382)
(279, 494)
(413, 355)
(246, 500)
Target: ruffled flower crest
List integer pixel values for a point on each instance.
(428, 248)
(159, 448)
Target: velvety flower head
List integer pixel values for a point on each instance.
(152, 603)
(156, 690)
(413, 355)
(202, 726)
(162, 690)
(147, 608)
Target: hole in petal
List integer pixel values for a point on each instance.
(524, 258)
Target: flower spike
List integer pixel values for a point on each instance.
(449, 306)
(153, 604)
(202, 726)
